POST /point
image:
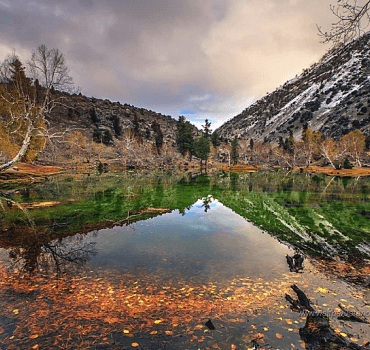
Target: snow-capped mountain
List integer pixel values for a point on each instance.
(332, 96)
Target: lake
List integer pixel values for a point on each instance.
(145, 260)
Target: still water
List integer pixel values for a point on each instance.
(201, 245)
(145, 261)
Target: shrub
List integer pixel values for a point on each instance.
(347, 164)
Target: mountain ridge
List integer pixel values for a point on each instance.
(332, 96)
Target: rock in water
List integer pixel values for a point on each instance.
(210, 325)
(290, 262)
(303, 300)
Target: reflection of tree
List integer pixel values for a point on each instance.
(206, 202)
(32, 250)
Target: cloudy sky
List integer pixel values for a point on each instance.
(198, 58)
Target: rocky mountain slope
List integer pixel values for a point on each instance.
(332, 96)
(78, 112)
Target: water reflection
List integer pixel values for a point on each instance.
(209, 242)
(30, 250)
(322, 215)
(146, 245)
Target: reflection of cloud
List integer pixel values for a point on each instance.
(168, 55)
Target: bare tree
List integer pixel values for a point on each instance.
(49, 67)
(331, 151)
(24, 105)
(354, 144)
(352, 18)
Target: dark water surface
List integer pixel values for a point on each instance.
(149, 259)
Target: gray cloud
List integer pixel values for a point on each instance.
(167, 55)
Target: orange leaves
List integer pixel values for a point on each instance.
(15, 311)
(278, 335)
(34, 336)
(87, 310)
(111, 320)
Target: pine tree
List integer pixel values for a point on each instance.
(215, 139)
(202, 149)
(158, 135)
(347, 164)
(184, 139)
(207, 129)
(234, 150)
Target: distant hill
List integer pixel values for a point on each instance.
(332, 96)
(88, 114)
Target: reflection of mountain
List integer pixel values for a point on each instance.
(304, 212)
(311, 212)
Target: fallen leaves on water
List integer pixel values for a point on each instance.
(82, 311)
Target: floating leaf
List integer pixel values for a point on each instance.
(157, 321)
(278, 335)
(35, 346)
(343, 334)
(323, 290)
(16, 311)
(153, 332)
(34, 336)
(134, 345)
(126, 331)
(233, 346)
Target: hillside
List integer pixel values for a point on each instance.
(332, 96)
(89, 115)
